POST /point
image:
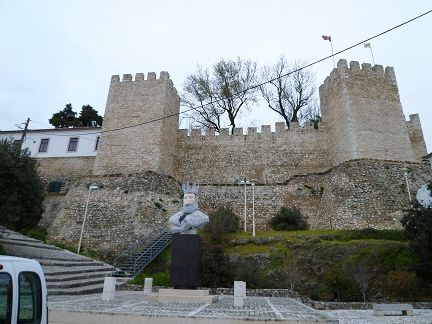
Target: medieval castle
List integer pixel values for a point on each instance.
(357, 170)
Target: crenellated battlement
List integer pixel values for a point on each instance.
(354, 69)
(361, 118)
(151, 76)
(263, 131)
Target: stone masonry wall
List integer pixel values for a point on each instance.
(268, 157)
(416, 137)
(364, 115)
(128, 142)
(125, 209)
(70, 167)
(354, 195)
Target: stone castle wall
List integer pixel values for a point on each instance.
(124, 209)
(70, 167)
(361, 112)
(364, 115)
(268, 157)
(354, 195)
(415, 132)
(348, 173)
(129, 142)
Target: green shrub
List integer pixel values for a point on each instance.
(418, 228)
(222, 221)
(341, 286)
(36, 232)
(254, 278)
(399, 285)
(157, 204)
(161, 279)
(217, 270)
(288, 219)
(21, 189)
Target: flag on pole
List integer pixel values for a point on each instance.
(367, 45)
(326, 37)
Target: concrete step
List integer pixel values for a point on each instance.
(79, 276)
(69, 263)
(39, 253)
(32, 243)
(75, 283)
(54, 271)
(92, 289)
(66, 273)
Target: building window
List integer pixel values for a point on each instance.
(73, 144)
(55, 186)
(97, 143)
(43, 147)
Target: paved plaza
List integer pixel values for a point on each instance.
(131, 306)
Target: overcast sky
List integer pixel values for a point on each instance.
(58, 52)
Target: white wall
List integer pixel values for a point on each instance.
(58, 141)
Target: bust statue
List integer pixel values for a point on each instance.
(190, 217)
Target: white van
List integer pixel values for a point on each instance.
(23, 292)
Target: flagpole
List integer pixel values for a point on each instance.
(331, 45)
(373, 60)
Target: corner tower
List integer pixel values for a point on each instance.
(362, 109)
(135, 135)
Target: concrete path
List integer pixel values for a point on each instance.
(131, 307)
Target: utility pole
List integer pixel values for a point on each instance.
(24, 133)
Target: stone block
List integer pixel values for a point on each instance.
(239, 289)
(148, 285)
(109, 288)
(238, 301)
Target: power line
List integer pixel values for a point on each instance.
(262, 83)
(274, 79)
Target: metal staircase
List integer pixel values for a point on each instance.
(136, 258)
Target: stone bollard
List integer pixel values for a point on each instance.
(109, 288)
(239, 293)
(148, 285)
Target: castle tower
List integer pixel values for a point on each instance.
(362, 109)
(126, 148)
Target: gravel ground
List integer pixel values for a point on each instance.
(255, 309)
(421, 316)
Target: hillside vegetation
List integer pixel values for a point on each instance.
(332, 265)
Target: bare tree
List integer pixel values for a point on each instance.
(292, 273)
(362, 273)
(290, 91)
(219, 97)
(199, 99)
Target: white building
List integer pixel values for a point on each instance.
(58, 142)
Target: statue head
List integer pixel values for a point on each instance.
(189, 198)
(190, 193)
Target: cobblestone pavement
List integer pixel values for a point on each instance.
(255, 308)
(421, 316)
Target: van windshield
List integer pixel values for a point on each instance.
(5, 298)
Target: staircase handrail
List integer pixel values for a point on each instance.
(165, 237)
(129, 251)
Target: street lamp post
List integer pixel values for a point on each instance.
(253, 208)
(90, 189)
(247, 182)
(408, 186)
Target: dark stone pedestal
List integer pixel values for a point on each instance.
(186, 261)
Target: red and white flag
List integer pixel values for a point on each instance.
(326, 37)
